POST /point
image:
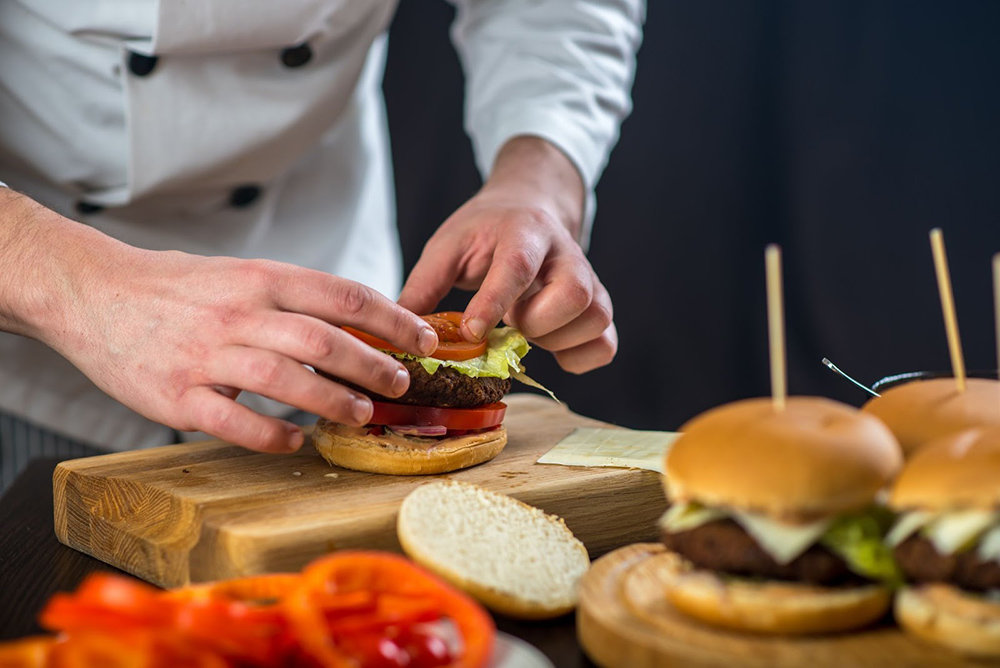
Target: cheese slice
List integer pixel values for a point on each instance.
(907, 525)
(686, 516)
(956, 530)
(624, 448)
(782, 541)
(989, 545)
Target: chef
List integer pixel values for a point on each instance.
(200, 193)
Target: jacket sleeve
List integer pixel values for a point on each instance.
(561, 70)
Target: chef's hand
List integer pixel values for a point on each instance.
(175, 336)
(515, 243)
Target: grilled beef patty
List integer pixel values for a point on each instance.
(921, 562)
(445, 387)
(724, 546)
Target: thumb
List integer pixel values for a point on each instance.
(432, 278)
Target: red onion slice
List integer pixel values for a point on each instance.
(419, 430)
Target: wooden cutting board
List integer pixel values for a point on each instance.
(210, 510)
(623, 619)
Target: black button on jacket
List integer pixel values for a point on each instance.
(296, 56)
(141, 65)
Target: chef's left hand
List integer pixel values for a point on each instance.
(515, 243)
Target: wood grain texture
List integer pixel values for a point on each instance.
(623, 619)
(204, 511)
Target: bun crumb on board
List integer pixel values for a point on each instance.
(514, 558)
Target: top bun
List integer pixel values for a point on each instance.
(815, 458)
(924, 410)
(960, 471)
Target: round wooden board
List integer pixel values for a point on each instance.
(641, 630)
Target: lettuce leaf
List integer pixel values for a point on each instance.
(502, 359)
(858, 540)
(506, 347)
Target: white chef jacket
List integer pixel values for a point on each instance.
(254, 128)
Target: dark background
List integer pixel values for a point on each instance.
(842, 130)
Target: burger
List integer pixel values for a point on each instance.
(450, 418)
(947, 542)
(921, 411)
(773, 525)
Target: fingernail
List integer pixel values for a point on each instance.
(295, 437)
(427, 342)
(362, 411)
(401, 381)
(476, 327)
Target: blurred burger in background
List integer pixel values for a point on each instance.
(924, 410)
(773, 522)
(947, 542)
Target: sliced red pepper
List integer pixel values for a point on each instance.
(396, 579)
(32, 652)
(351, 609)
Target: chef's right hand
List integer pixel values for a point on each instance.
(176, 337)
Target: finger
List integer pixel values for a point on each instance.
(234, 423)
(311, 341)
(568, 290)
(591, 355)
(514, 268)
(283, 379)
(588, 326)
(432, 277)
(343, 302)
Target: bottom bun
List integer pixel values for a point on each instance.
(948, 616)
(353, 448)
(772, 606)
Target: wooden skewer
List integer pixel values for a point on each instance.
(948, 308)
(776, 326)
(996, 302)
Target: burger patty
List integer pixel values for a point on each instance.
(445, 387)
(724, 546)
(921, 562)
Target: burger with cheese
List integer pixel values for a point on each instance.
(450, 417)
(921, 411)
(947, 542)
(773, 526)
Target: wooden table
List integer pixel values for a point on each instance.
(34, 565)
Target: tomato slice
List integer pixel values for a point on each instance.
(451, 344)
(480, 417)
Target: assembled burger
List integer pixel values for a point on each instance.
(450, 417)
(772, 526)
(947, 542)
